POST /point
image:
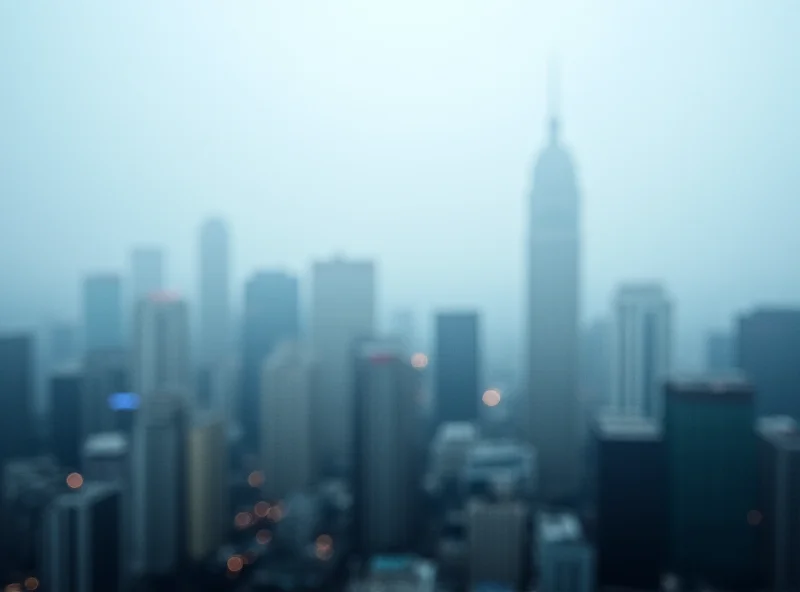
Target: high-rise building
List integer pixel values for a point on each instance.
(553, 304)
(66, 431)
(215, 305)
(82, 549)
(102, 312)
(628, 489)
(449, 453)
(16, 393)
(641, 353)
(497, 539)
(107, 373)
(720, 355)
(342, 311)
(457, 367)
(287, 443)
(386, 474)
(712, 475)
(159, 485)
(595, 365)
(271, 315)
(565, 559)
(778, 513)
(63, 347)
(161, 345)
(768, 352)
(147, 272)
(207, 487)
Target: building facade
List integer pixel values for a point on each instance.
(66, 407)
(497, 542)
(457, 367)
(215, 305)
(147, 272)
(102, 312)
(565, 559)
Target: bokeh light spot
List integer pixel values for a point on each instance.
(419, 361)
(235, 564)
(491, 397)
(74, 480)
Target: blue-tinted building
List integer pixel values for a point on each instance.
(102, 312)
(457, 367)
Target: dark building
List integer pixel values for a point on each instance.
(720, 356)
(66, 431)
(629, 494)
(102, 312)
(82, 541)
(271, 315)
(107, 376)
(778, 513)
(63, 345)
(16, 397)
(768, 351)
(711, 461)
(457, 367)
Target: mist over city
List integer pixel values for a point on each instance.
(352, 295)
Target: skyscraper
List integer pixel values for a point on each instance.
(271, 315)
(102, 312)
(161, 345)
(457, 366)
(712, 476)
(553, 257)
(720, 355)
(147, 272)
(66, 430)
(641, 353)
(215, 307)
(497, 537)
(768, 352)
(342, 311)
(565, 558)
(16, 392)
(287, 442)
(385, 469)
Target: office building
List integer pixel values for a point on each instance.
(386, 475)
(287, 443)
(16, 388)
(271, 315)
(102, 312)
(342, 311)
(82, 541)
(552, 306)
(215, 299)
(66, 402)
(497, 542)
(565, 560)
(207, 487)
(628, 491)
(161, 345)
(449, 452)
(777, 516)
(147, 272)
(457, 367)
(106, 373)
(159, 485)
(711, 482)
(63, 347)
(768, 352)
(397, 573)
(720, 355)
(489, 460)
(641, 352)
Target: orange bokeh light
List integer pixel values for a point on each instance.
(235, 564)
(243, 520)
(491, 397)
(263, 536)
(31, 583)
(255, 479)
(13, 588)
(419, 361)
(261, 509)
(275, 513)
(324, 540)
(74, 480)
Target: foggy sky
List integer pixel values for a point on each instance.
(405, 131)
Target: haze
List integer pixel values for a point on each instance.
(404, 132)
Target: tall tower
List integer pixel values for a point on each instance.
(552, 317)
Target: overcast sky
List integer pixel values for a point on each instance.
(405, 131)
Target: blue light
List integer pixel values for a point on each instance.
(123, 401)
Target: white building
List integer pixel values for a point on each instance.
(497, 534)
(159, 484)
(215, 305)
(641, 349)
(565, 560)
(342, 311)
(287, 437)
(386, 469)
(161, 345)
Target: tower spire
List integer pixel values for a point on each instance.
(553, 97)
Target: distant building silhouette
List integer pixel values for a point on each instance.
(720, 352)
(457, 367)
(641, 351)
(66, 429)
(271, 315)
(16, 397)
(106, 373)
(596, 366)
(102, 312)
(768, 352)
(342, 312)
(147, 272)
(552, 302)
(215, 305)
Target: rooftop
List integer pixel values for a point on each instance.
(559, 528)
(732, 384)
(781, 430)
(619, 427)
(106, 444)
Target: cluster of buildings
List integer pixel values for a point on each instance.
(266, 451)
